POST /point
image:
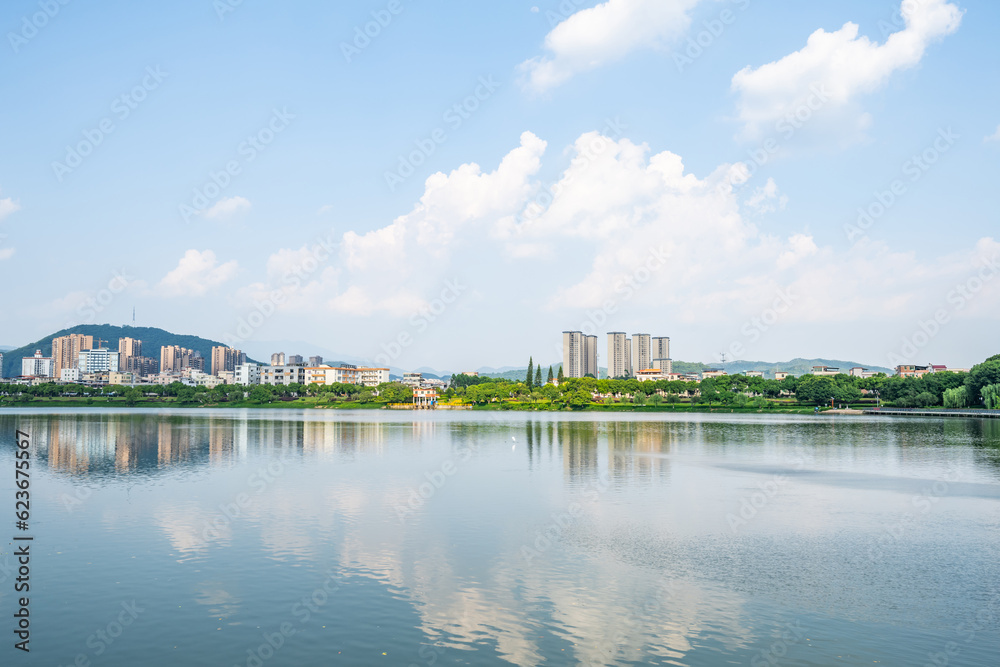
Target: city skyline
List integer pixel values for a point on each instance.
(706, 171)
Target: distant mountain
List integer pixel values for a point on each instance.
(795, 366)
(152, 340)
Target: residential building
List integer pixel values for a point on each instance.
(128, 348)
(713, 373)
(754, 374)
(912, 371)
(824, 371)
(197, 361)
(283, 375)
(619, 354)
(74, 375)
(98, 360)
(141, 366)
(226, 359)
(247, 375)
(227, 377)
(174, 358)
(781, 375)
(651, 374)
(860, 372)
(579, 354)
(117, 377)
(66, 351)
(665, 365)
(295, 360)
(37, 366)
(1, 364)
(315, 361)
(413, 379)
(278, 359)
(659, 347)
(642, 358)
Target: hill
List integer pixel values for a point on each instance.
(152, 340)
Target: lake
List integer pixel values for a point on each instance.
(274, 537)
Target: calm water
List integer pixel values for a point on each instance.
(505, 538)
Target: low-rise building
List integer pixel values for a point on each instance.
(713, 373)
(754, 374)
(124, 378)
(425, 397)
(860, 372)
(247, 375)
(72, 375)
(781, 375)
(347, 374)
(912, 371)
(283, 375)
(824, 371)
(413, 379)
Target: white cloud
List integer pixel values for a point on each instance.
(767, 199)
(608, 32)
(227, 207)
(618, 208)
(993, 137)
(829, 74)
(196, 274)
(6, 253)
(8, 206)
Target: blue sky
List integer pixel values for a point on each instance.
(657, 225)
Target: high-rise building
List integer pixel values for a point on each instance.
(226, 359)
(176, 358)
(278, 359)
(315, 361)
(641, 357)
(66, 351)
(37, 366)
(197, 361)
(579, 354)
(295, 360)
(660, 347)
(98, 360)
(619, 354)
(590, 357)
(127, 349)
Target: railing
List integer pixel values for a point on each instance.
(944, 412)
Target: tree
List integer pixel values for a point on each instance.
(538, 376)
(579, 399)
(549, 380)
(816, 389)
(531, 372)
(991, 396)
(561, 377)
(260, 394)
(132, 395)
(980, 376)
(956, 399)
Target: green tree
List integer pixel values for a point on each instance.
(579, 399)
(814, 389)
(549, 380)
(991, 396)
(538, 376)
(531, 372)
(260, 394)
(561, 376)
(956, 399)
(132, 396)
(980, 376)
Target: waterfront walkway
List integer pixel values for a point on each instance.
(923, 412)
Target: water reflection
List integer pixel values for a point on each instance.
(643, 577)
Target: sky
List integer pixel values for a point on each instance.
(452, 185)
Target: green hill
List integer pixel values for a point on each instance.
(152, 340)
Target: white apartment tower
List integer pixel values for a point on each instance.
(660, 354)
(579, 354)
(642, 358)
(619, 354)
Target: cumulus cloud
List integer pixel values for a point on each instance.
(621, 224)
(608, 32)
(993, 137)
(227, 207)
(8, 206)
(834, 69)
(196, 274)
